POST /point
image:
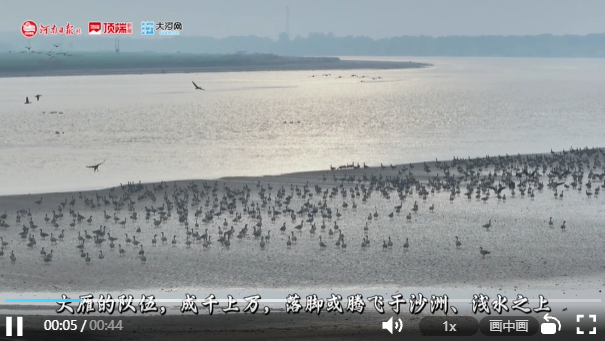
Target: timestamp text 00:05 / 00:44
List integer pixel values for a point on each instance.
(73, 325)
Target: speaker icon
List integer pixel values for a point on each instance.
(388, 325)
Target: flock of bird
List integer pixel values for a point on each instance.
(50, 54)
(27, 99)
(188, 213)
(327, 75)
(352, 76)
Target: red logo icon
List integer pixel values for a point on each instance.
(29, 29)
(94, 27)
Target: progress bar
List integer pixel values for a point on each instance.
(38, 300)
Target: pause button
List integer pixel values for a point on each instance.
(9, 326)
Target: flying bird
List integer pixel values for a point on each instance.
(38, 97)
(96, 167)
(56, 45)
(196, 86)
(27, 100)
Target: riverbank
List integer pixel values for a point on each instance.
(78, 64)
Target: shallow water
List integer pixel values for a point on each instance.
(157, 127)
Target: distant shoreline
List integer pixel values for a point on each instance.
(89, 65)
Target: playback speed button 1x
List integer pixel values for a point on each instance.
(449, 326)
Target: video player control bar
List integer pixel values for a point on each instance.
(494, 325)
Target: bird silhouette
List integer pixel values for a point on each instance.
(27, 100)
(38, 97)
(96, 167)
(196, 86)
(497, 190)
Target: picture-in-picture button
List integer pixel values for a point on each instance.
(509, 325)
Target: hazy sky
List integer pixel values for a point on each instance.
(372, 18)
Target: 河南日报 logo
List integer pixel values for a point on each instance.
(29, 29)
